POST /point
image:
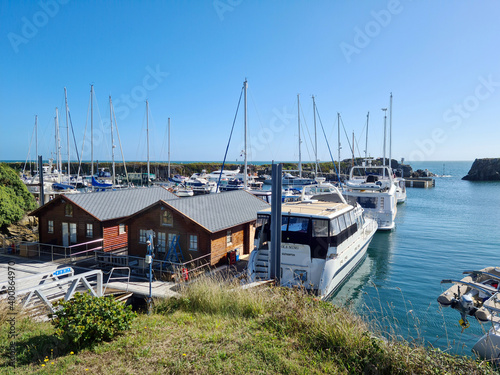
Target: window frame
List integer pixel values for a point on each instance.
(68, 210)
(122, 229)
(50, 226)
(193, 239)
(91, 232)
(167, 219)
(229, 238)
(143, 235)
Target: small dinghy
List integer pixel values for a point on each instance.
(473, 295)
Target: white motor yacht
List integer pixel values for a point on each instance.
(321, 244)
(373, 188)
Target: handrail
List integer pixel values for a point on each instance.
(117, 278)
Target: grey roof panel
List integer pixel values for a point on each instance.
(216, 212)
(107, 205)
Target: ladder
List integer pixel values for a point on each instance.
(174, 253)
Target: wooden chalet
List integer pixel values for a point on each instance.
(78, 218)
(212, 224)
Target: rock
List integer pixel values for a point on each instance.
(484, 170)
(422, 173)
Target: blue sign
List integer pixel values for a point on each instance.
(62, 271)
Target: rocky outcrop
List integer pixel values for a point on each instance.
(421, 173)
(24, 230)
(484, 170)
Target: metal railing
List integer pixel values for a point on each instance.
(117, 277)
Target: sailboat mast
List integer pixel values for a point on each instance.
(315, 141)
(353, 149)
(366, 142)
(168, 171)
(36, 135)
(385, 131)
(338, 135)
(390, 133)
(91, 130)
(58, 145)
(112, 141)
(245, 179)
(298, 118)
(67, 129)
(147, 133)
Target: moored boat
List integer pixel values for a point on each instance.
(322, 243)
(373, 188)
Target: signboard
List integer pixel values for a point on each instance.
(62, 271)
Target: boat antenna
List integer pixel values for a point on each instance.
(112, 141)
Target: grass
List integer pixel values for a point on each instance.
(216, 328)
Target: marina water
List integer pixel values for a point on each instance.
(440, 232)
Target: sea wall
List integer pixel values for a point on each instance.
(484, 170)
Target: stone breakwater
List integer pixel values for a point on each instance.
(484, 170)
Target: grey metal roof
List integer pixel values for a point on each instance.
(216, 212)
(107, 205)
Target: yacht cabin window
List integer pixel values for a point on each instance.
(334, 227)
(320, 228)
(342, 224)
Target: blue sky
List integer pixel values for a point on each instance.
(190, 58)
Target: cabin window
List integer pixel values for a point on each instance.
(334, 227)
(193, 242)
(50, 226)
(320, 228)
(167, 219)
(342, 224)
(171, 237)
(229, 238)
(347, 219)
(68, 210)
(160, 246)
(367, 202)
(298, 224)
(143, 236)
(353, 216)
(90, 230)
(122, 229)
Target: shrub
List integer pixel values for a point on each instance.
(86, 320)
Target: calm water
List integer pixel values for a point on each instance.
(439, 233)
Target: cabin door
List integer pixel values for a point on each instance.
(65, 234)
(68, 233)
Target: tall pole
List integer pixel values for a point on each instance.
(168, 172)
(366, 143)
(390, 134)
(245, 178)
(147, 133)
(67, 128)
(353, 149)
(315, 141)
(112, 140)
(92, 130)
(58, 145)
(338, 135)
(36, 135)
(385, 131)
(298, 118)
